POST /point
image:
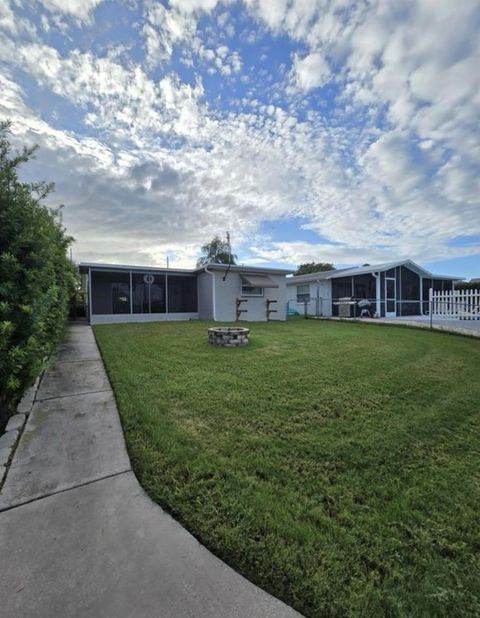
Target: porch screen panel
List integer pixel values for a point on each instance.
(158, 295)
(410, 291)
(148, 293)
(426, 285)
(341, 288)
(182, 294)
(139, 294)
(110, 292)
(364, 287)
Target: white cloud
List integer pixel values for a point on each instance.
(163, 28)
(393, 171)
(192, 6)
(79, 10)
(311, 71)
(7, 17)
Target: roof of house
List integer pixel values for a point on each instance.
(362, 270)
(242, 268)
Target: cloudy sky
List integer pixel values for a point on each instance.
(326, 130)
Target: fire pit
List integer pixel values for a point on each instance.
(228, 336)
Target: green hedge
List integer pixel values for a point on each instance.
(36, 276)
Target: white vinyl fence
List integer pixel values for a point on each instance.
(456, 304)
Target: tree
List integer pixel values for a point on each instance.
(473, 284)
(36, 276)
(217, 251)
(313, 267)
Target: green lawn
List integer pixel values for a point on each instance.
(336, 465)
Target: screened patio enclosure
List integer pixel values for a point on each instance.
(398, 291)
(390, 289)
(142, 293)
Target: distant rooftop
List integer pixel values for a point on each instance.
(371, 268)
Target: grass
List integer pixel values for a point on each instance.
(336, 465)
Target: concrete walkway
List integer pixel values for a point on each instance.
(79, 536)
(469, 328)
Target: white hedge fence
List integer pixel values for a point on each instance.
(456, 304)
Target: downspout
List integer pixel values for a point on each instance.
(213, 292)
(377, 294)
(319, 310)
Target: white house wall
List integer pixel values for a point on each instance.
(205, 296)
(320, 298)
(229, 290)
(122, 318)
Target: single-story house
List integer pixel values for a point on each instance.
(224, 293)
(394, 289)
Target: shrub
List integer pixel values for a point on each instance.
(36, 276)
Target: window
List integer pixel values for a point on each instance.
(110, 292)
(303, 293)
(248, 290)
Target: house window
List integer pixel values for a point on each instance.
(248, 290)
(303, 293)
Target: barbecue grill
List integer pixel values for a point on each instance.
(364, 305)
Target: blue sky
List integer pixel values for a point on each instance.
(312, 130)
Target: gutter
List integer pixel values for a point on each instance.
(213, 292)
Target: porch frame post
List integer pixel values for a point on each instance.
(378, 295)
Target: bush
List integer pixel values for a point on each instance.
(36, 276)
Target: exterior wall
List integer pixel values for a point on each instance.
(205, 296)
(226, 293)
(120, 318)
(320, 298)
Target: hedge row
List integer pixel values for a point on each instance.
(36, 276)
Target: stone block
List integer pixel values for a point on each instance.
(26, 402)
(4, 455)
(15, 422)
(8, 439)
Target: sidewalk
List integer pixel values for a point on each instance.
(79, 536)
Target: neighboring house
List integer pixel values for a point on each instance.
(394, 289)
(214, 292)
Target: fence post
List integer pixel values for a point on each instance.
(430, 305)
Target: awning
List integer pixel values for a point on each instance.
(259, 281)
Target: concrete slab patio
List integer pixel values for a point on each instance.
(79, 536)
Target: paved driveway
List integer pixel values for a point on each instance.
(79, 536)
(464, 327)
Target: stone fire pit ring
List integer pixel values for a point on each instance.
(228, 336)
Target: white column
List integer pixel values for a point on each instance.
(378, 295)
